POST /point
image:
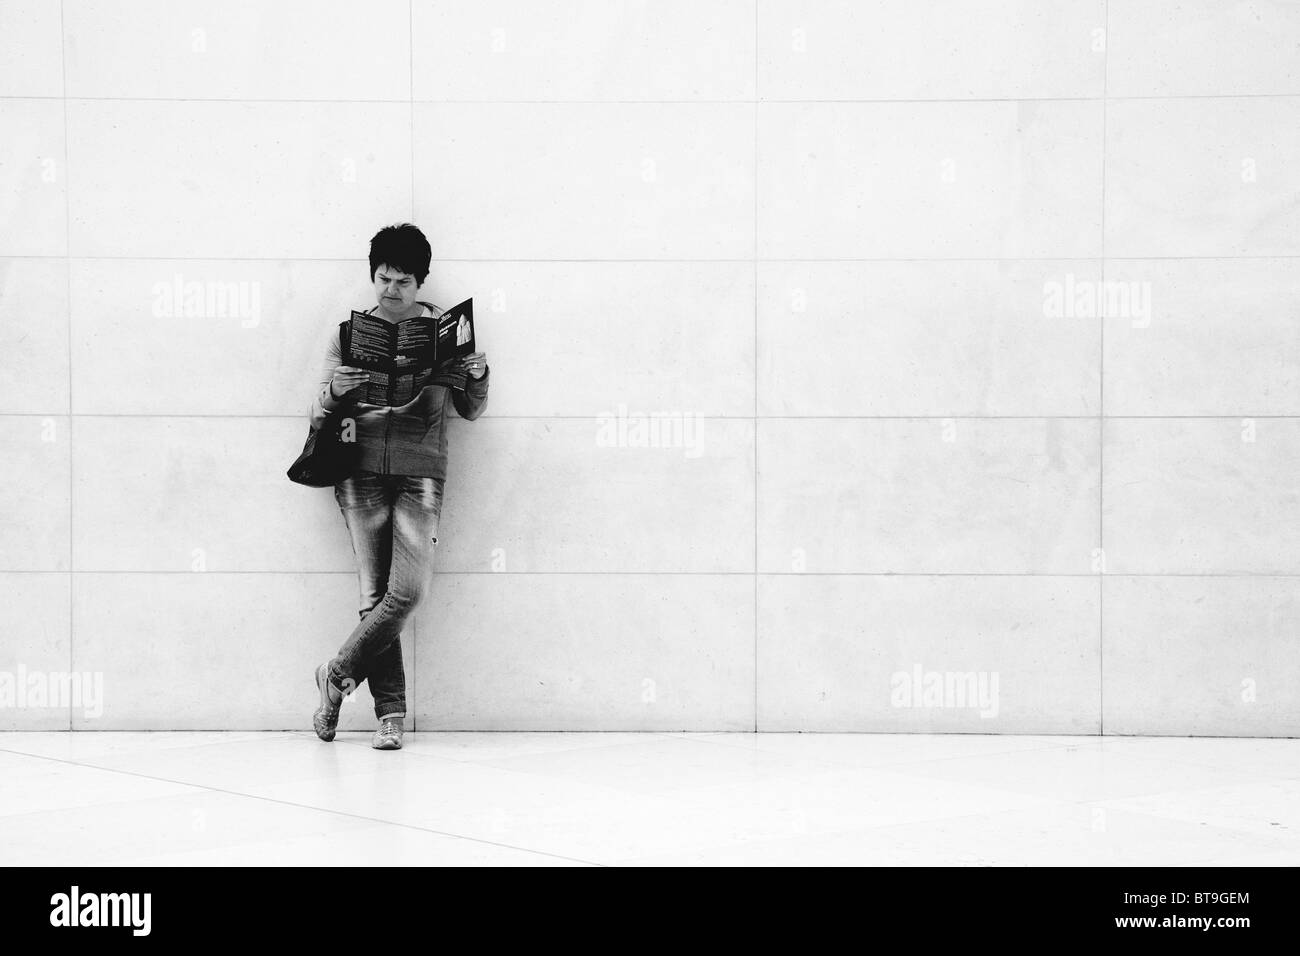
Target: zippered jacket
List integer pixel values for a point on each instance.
(409, 439)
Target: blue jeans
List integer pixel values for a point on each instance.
(393, 521)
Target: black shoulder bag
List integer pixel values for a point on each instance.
(326, 458)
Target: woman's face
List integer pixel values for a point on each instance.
(395, 291)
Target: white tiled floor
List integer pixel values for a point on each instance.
(548, 799)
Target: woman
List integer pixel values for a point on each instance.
(393, 500)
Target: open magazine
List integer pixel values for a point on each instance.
(403, 357)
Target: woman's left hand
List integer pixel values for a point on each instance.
(476, 364)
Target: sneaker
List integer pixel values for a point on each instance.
(389, 734)
(326, 718)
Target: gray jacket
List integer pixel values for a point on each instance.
(410, 439)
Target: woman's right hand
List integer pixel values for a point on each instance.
(346, 378)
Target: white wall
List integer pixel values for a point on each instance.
(822, 232)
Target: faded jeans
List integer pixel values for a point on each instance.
(393, 522)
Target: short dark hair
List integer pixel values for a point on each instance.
(401, 247)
